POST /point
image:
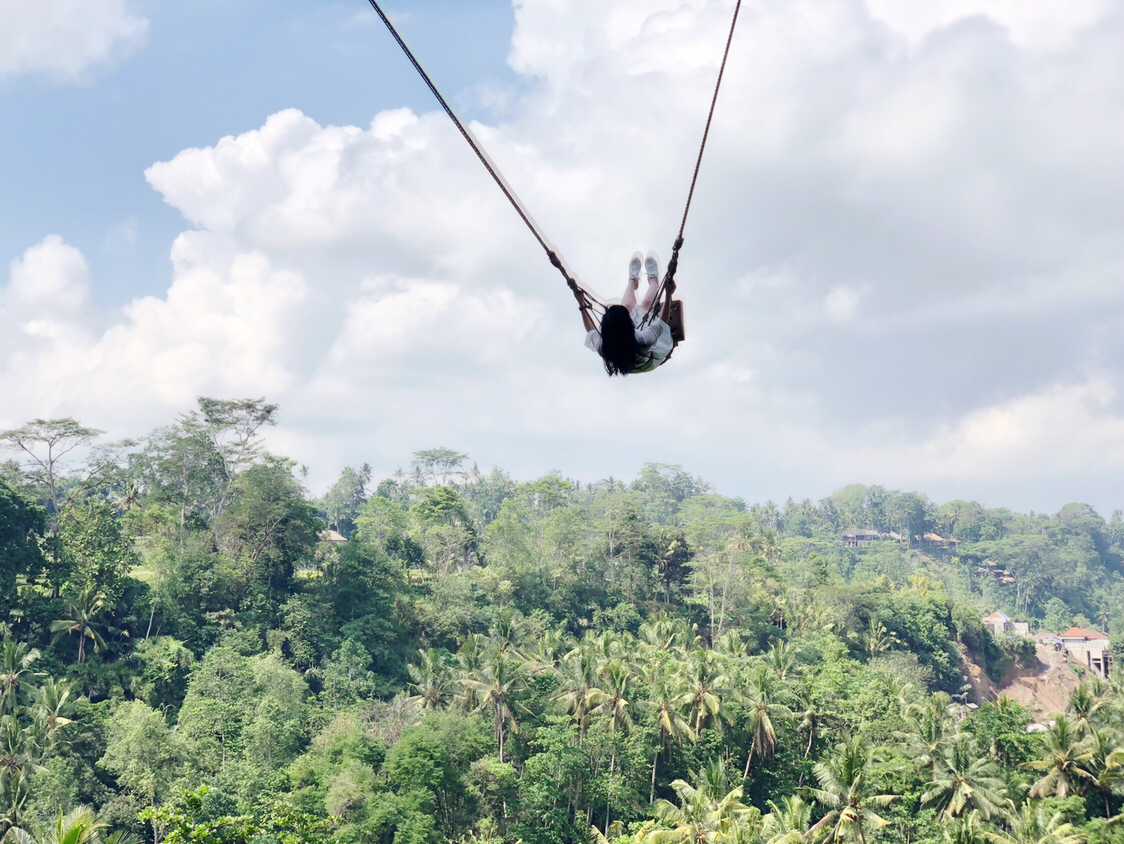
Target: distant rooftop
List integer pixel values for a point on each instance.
(1082, 633)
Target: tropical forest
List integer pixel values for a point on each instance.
(197, 649)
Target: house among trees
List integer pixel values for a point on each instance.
(938, 541)
(1088, 647)
(858, 537)
(1000, 624)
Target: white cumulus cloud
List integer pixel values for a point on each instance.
(63, 39)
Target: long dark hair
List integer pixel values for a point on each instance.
(618, 341)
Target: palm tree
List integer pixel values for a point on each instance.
(964, 830)
(506, 633)
(615, 708)
(78, 826)
(764, 707)
(703, 680)
(707, 813)
(1105, 763)
(83, 609)
(1032, 825)
(965, 781)
(787, 823)
(432, 681)
(52, 707)
(578, 692)
(19, 759)
(933, 726)
(670, 724)
(878, 639)
(545, 654)
(843, 791)
(1085, 706)
(810, 717)
(16, 659)
(780, 658)
(499, 680)
(1064, 762)
(470, 660)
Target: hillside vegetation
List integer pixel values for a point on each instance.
(192, 652)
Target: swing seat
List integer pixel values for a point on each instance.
(675, 322)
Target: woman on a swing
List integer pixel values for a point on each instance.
(624, 342)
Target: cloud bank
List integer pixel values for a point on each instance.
(903, 263)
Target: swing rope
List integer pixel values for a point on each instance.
(668, 284)
(585, 300)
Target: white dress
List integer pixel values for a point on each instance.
(654, 340)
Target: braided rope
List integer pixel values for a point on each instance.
(667, 285)
(585, 300)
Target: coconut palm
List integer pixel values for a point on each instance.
(844, 792)
(965, 781)
(782, 660)
(83, 609)
(671, 726)
(500, 678)
(966, 829)
(787, 823)
(1063, 765)
(762, 698)
(53, 704)
(20, 755)
(1105, 763)
(546, 652)
(708, 812)
(704, 681)
(78, 826)
(615, 708)
(1085, 708)
(1033, 824)
(470, 661)
(810, 716)
(16, 659)
(932, 726)
(578, 693)
(432, 681)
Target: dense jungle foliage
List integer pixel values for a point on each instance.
(195, 650)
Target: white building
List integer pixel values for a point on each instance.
(1000, 624)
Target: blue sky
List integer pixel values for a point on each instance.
(209, 69)
(903, 265)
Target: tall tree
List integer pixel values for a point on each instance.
(762, 698)
(1035, 824)
(844, 791)
(499, 681)
(965, 781)
(84, 611)
(46, 442)
(16, 659)
(1063, 762)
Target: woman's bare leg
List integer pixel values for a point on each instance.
(629, 297)
(650, 295)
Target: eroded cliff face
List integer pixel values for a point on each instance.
(1044, 687)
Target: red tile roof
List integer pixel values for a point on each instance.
(1081, 633)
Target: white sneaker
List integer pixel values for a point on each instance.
(634, 266)
(652, 265)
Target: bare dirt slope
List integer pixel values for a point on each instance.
(1044, 687)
